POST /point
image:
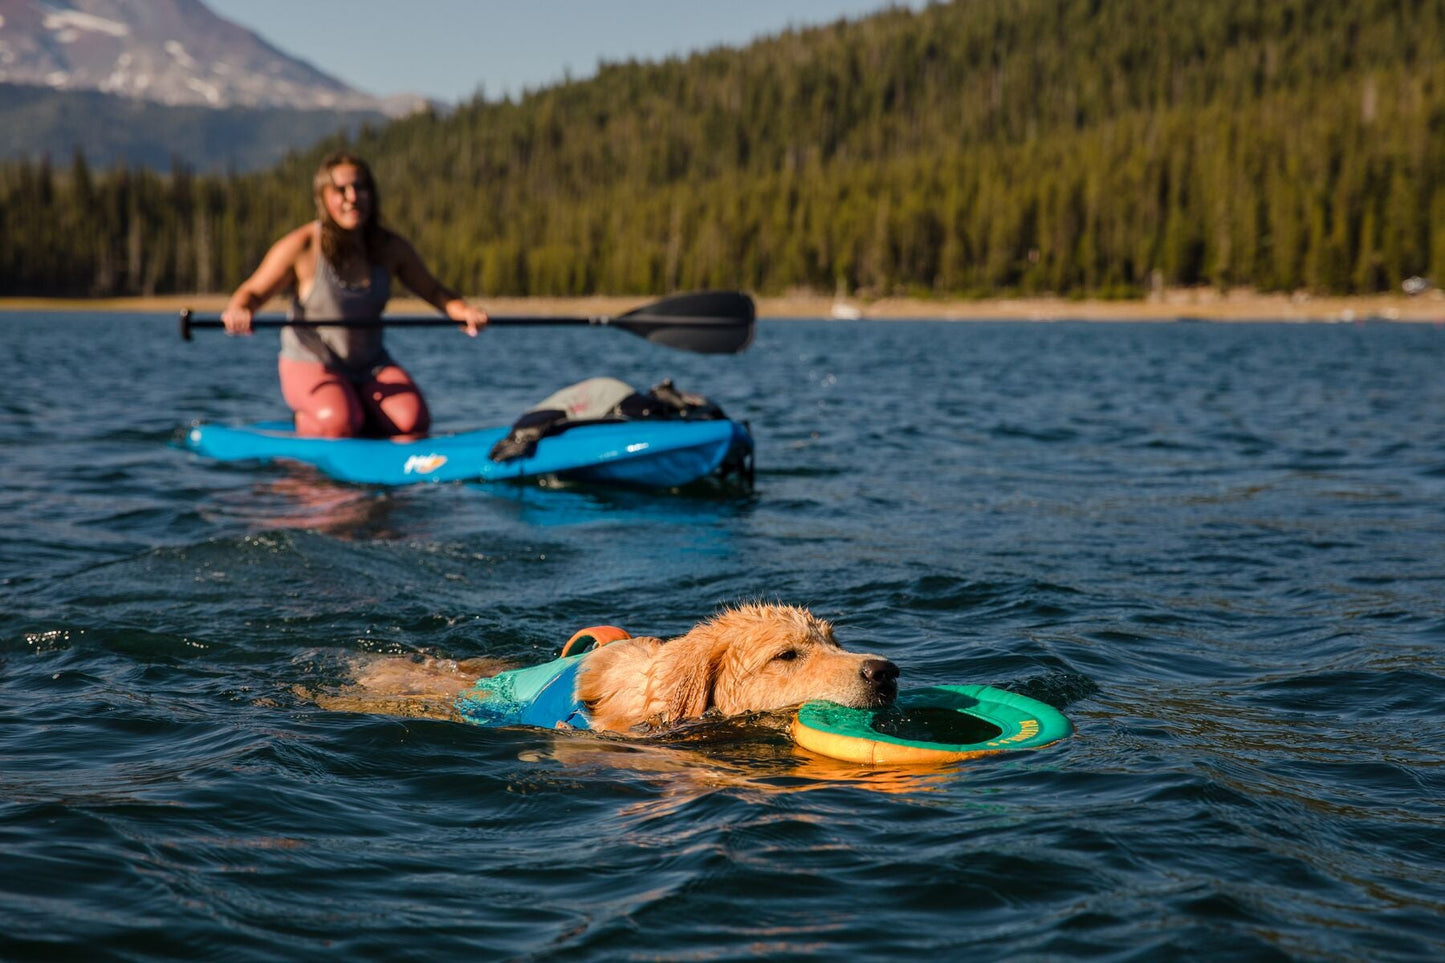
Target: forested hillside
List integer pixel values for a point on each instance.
(1085, 147)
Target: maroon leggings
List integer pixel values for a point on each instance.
(329, 405)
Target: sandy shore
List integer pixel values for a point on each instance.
(1199, 304)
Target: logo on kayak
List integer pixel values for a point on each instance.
(423, 464)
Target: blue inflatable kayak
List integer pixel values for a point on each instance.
(648, 454)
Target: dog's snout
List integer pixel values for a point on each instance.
(879, 671)
(881, 676)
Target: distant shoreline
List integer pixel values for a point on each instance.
(1191, 304)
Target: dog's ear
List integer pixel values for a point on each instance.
(689, 669)
(611, 682)
(640, 680)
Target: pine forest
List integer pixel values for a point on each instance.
(1088, 148)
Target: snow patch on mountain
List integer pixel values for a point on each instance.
(68, 24)
(174, 52)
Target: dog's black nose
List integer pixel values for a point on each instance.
(882, 675)
(879, 670)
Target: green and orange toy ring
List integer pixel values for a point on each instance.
(928, 726)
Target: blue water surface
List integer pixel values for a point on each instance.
(1219, 549)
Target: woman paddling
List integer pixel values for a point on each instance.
(340, 381)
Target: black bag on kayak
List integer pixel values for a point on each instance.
(598, 401)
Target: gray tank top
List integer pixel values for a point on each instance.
(354, 351)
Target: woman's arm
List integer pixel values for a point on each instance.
(276, 272)
(413, 272)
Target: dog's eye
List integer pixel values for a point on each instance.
(787, 655)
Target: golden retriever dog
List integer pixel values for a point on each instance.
(750, 658)
(753, 658)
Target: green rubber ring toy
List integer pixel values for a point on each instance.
(937, 724)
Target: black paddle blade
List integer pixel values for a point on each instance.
(707, 322)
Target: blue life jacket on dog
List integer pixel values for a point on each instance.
(542, 695)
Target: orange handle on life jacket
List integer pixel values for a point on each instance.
(593, 638)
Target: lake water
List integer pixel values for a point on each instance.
(1218, 549)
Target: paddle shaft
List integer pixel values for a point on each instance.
(190, 321)
(706, 322)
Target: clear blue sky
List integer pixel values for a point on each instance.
(448, 49)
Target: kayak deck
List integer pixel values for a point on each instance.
(648, 454)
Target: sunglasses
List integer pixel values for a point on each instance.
(360, 185)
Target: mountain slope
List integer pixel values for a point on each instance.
(174, 52)
(122, 131)
(149, 83)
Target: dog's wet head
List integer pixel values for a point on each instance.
(780, 656)
(753, 658)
